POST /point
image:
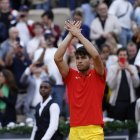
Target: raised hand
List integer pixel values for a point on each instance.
(73, 27)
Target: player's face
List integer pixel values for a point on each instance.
(82, 62)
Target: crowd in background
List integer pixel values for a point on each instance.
(27, 51)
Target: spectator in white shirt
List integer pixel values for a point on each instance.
(31, 79)
(123, 10)
(34, 43)
(48, 60)
(103, 25)
(24, 25)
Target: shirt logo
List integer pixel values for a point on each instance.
(77, 77)
(89, 75)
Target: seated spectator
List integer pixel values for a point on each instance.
(112, 58)
(78, 16)
(122, 78)
(137, 60)
(7, 45)
(103, 25)
(105, 51)
(47, 116)
(48, 23)
(8, 97)
(89, 11)
(136, 13)
(17, 61)
(34, 43)
(136, 38)
(112, 43)
(24, 25)
(6, 15)
(85, 30)
(113, 39)
(132, 52)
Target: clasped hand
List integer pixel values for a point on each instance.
(73, 27)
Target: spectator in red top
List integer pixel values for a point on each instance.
(85, 86)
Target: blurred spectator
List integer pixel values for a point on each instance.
(85, 30)
(8, 97)
(103, 25)
(48, 52)
(122, 78)
(47, 19)
(89, 11)
(137, 60)
(34, 43)
(112, 58)
(24, 24)
(7, 45)
(113, 39)
(105, 51)
(112, 45)
(6, 15)
(31, 79)
(136, 37)
(78, 16)
(123, 10)
(17, 61)
(136, 12)
(47, 116)
(132, 52)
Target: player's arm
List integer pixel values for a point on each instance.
(98, 64)
(59, 56)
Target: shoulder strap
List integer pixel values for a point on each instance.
(122, 15)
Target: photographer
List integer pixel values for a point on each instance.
(122, 79)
